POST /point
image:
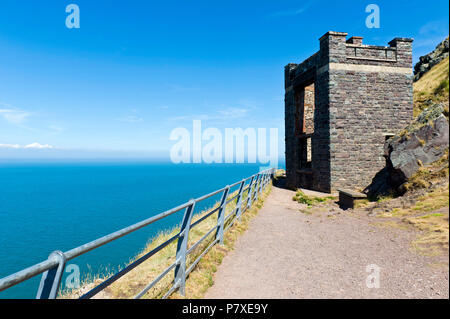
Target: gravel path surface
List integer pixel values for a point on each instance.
(289, 254)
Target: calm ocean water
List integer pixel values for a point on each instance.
(58, 206)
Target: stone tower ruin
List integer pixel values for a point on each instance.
(341, 104)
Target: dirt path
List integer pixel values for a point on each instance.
(289, 254)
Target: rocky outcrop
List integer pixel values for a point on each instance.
(426, 62)
(423, 142)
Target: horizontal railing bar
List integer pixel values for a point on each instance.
(204, 217)
(228, 216)
(230, 224)
(200, 240)
(243, 180)
(209, 195)
(232, 212)
(127, 269)
(232, 199)
(237, 193)
(171, 290)
(234, 184)
(221, 190)
(27, 273)
(155, 281)
(188, 271)
(125, 231)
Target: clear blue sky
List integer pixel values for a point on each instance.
(135, 70)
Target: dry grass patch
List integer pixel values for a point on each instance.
(426, 175)
(391, 224)
(434, 200)
(434, 237)
(360, 203)
(432, 86)
(433, 226)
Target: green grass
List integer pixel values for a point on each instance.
(302, 198)
(442, 88)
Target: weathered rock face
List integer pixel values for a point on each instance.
(421, 143)
(425, 144)
(426, 62)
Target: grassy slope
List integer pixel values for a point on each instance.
(432, 86)
(432, 179)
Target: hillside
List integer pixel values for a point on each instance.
(427, 62)
(432, 87)
(413, 189)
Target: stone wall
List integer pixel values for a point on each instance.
(361, 95)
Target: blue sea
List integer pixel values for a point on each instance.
(61, 205)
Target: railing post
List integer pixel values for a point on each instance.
(249, 195)
(263, 182)
(261, 185)
(257, 187)
(51, 279)
(221, 215)
(239, 201)
(180, 269)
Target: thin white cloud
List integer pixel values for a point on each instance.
(292, 12)
(428, 42)
(233, 112)
(224, 114)
(10, 146)
(29, 146)
(38, 146)
(13, 115)
(431, 34)
(131, 119)
(56, 129)
(437, 27)
(134, 117)
(176, 88)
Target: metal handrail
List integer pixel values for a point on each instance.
(53, 268)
